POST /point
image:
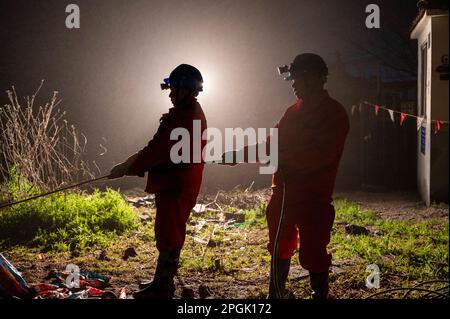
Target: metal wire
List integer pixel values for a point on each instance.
(278, 293)
(422, 284)
(53, 191)
(409, 289)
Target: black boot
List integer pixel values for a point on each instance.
(319, 284)
(162, 286)
(282, 268)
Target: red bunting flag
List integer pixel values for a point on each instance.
(402, 118)
(437, 126)
(377, 109)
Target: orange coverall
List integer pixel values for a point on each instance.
(311, 142)
(176, 186)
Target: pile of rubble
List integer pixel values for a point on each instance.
(61, 285)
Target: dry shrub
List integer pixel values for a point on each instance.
(39, 144)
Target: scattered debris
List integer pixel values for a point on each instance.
(356, 230)
(200, 241)
(297, 273)
(87, 279)
(199, 208)
(122, 293)
(144, 218)
(238, 217)
(129, 252)
(60, 293)
(336, 270)
(146, 201)
(91, 285)
(237, 198)
(200, 224)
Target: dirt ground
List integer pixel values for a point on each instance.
(35, 265)
(396, 205)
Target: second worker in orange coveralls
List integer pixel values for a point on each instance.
(312, 135)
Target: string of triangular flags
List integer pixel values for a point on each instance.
(420, 120)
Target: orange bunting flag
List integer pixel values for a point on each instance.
(377, 109)
(402, 118)
(437, 126)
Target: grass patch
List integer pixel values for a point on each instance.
(407, 252)
(67, 221)
(408, 248)
(255, 217)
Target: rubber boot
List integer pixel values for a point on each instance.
(282, 266)
(319, 285)
(162, 286)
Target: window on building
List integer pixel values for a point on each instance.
(424, 79)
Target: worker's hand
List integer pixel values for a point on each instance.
(118, 171)
(125, 168)
(229, 158)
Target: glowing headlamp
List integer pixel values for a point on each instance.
(285, 69)
(166, 84)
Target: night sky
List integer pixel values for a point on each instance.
(108, 72)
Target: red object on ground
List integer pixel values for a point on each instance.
(60, 293)
(44, 287)
(176, 186)
(94, 292)
(311, 142)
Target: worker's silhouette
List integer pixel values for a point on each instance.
(176, 186)
(312, 134)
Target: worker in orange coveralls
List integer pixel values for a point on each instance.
(176, 186)
(312, 135)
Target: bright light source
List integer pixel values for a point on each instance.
(208, 83)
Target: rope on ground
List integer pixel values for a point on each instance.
(423, 284)
(428, 291)
(438, 290)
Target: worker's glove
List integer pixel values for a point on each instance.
(123, 169)
(118, 171)
(229, 158)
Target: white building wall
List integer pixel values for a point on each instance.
(423, 161)
(439, 96)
